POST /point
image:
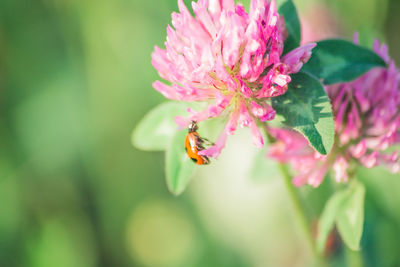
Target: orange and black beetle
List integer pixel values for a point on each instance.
(194, 144)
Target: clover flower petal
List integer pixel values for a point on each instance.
(367, 122)
(230, 59)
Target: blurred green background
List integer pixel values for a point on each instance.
(75, 78)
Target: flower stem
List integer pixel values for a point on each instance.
(298, 207)
(299, 210)
(353, 258)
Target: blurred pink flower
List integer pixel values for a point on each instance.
(229, 58)
(367, 122)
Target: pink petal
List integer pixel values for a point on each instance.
(245, 90)
(257, 136)
(340, 167)
(200, 9)
(358, 150)
(228, 5)
(182, 122)
(166, 90)
(246, 120)
(316, 176)
(297, 57)
(370, 160)
(230, 128)
(264, 112)
(300, 180)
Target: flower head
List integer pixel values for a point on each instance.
(229, 58)
(367, 122)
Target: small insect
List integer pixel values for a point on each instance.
(194, 144)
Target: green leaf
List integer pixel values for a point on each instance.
(328, 217)
(350, 216)
(155, 130)
(288, 10)
(335, 61)
(306, 108)
(178, 167)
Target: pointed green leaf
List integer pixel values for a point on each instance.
(178, 167)
(155, 130)
(335, 61)
(350, 216)
(306, 108)
(328, 217)
(287, 9)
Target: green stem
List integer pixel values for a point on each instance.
(353, 258)
(299, 209)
